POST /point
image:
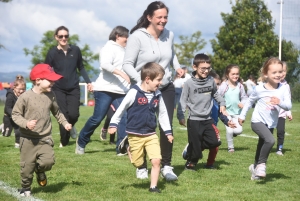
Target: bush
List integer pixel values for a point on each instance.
(295, 90)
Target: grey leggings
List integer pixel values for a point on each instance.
(265, 142)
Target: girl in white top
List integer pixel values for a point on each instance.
(235, 97)
(270, 98)
(250, 83)
(282, 115)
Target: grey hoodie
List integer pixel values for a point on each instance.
(197, 96)
(143, 48)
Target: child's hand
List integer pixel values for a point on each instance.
(240, 105)
(223, 110)
(170, 138)
(274, 100)
(241, 121)
(112, 130)
(31, 124)
(290, 117)
(68, 127)
(231, 124)
(182, 122)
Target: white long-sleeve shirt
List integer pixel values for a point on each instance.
(264, 111)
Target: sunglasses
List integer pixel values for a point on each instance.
(61, 36)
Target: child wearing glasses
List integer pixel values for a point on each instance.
(235, 97)
(32, 114)
(197, 97)
(11, 98)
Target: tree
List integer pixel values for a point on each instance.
(39, 52)
(247, 39)
(189, 46)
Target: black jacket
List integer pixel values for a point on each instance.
(67, 65)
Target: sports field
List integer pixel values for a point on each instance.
(101, 175)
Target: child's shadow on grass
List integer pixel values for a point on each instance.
(273, 177)
(236, 148)
(54, 188)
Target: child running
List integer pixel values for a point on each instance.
(32, 114)
(11, 98)
(235, 97)
(141, 103)
(282, 115)
(215, 115)
(271, 97)
(197, 96)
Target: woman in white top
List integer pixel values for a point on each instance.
(111, 86)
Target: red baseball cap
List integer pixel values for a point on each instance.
(44, 71)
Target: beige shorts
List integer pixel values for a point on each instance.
(140, 144)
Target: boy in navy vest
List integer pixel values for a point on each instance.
(142, 101)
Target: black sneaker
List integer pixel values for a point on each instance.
(26, 192)
(154, 190)
(122, 148)
(190, 166)
(41, 178)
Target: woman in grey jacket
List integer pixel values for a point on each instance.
(152, 42)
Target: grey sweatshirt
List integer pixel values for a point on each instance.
(143, 48)
(197, 97)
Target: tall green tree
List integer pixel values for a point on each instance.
(39, 52)
(188, 47)
(247, 38)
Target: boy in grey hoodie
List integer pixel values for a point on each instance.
(197, 95)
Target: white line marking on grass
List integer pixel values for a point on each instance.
(14, 192)
(249, 136)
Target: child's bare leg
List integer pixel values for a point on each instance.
(155, 172)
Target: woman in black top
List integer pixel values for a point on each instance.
(66, 59)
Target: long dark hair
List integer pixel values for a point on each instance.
(143, 21)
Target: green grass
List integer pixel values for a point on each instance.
(101, 175)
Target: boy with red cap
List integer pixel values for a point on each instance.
(31, 114)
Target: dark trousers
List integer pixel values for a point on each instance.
(9, 125)
(201, 135)
(68, 102)
(280, 133)
(265, 142)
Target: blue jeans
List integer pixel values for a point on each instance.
(102, 103)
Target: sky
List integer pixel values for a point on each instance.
(23, 22)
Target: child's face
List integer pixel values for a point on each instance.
(155, 83)
(18, 90)
(202, 70)
(284, 69)
(218, 82)
(233, 75)
(45, 85)
(274, 73)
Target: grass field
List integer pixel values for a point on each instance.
(101, 175)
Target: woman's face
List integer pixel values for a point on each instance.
(159, 19)
(62, 37)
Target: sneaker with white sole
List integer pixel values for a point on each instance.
(17, 145)
(103, 134)
(184, 152)
(2, 128)
(260, 170)
(25, 192)
(168, 174)
(79, 150)
(142, 173)
(253, 174)
(279, 153)
(73, 132)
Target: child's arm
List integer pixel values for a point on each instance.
(18, 113)
(164, 120)
(9, 104)
(126, 103)
(182, 104)
(286, 103)
(243, 96)
(250, 101)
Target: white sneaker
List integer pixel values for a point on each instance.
(25, 193)
(252, 171)
(79, 150)
(168, 174)
(279, 153)
(260, 170)
(60, 145)
(142, 173)
(2, 128)
(73, 132)
(17, 145)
